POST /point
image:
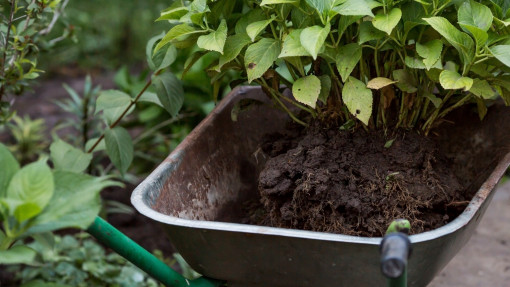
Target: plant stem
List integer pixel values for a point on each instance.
(133, 102)
(6, 46)
(276, 98)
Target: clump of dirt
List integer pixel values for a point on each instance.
(350, 183)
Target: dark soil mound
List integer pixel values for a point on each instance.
(350, 183)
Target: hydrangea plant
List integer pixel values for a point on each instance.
(377, 64)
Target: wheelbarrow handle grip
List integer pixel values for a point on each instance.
(395, 250)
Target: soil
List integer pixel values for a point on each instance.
(350, 183)
(321, 179)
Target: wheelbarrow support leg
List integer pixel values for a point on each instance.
(143, 259)
(395, 250)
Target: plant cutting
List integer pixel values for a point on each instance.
(380, 117)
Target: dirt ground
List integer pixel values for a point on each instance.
(485, 260)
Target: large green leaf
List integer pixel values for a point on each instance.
(306, 90)
(386, 22)
(214, 41)
(325, 88)
(430, 52)
(233, 47)
(161, 59)
(19, 254)
(313, 38)
(480, 35)
(248, 18)
(482, 89)
(367, 32)
(170, 92)
(502, 53)
(292, 45)
(33, 183)
(177, 32)
(66, 157)
(475, 14)
(358, 99)
(453, 81)
(274, 2)
(255, 28)
(260, 57)
(119, 148)
(9, 168)
(76, 202)
(354, 8)
(347, 58)
(405, 81)
(320, 5)
(113, 103)
(460, 40)
(174, 12)
(26, 211)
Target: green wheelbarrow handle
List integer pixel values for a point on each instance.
(143, 259)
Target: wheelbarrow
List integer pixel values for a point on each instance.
(395, 249)
(215, 169)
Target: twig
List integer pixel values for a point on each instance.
(133, 102)
(56, 15)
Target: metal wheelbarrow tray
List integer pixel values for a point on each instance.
(201, 186)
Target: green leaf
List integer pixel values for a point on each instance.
(101, 146)
(180, 31)
(386, 22)
(26, 211)
(66, 157)
(482, 89)
(345, 22)
(9, 168)
(480, 36)
(405, 81)
(274, 2)
(292, 45)
(161, 59)
(325, 88)
(379, 83)
(214, 41)
(430, 52)
(252, 16)
(347, 58)
(254, 29)
(475, 14)
(358, 99)
(33, 183)
(113, 103)
(313, 38)
(482, 108)
(233, 47)
(150, 97)
(435, 100)
(119, 148)
(19, 254)
(453, 81)
(260, 57)
(174, 12)
(460, 40)
(502, 53)
(170, 92)
(306, 90)
(320, 5)
(414, 63)
(76, 202)
(354, 8)
(367, 32)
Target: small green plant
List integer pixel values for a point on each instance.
(37, 199)
(78, 261)
(384, 64)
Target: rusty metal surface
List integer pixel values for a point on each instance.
(208, 175)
